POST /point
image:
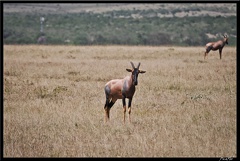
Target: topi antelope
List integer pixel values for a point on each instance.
(121, 89)
(216, 46)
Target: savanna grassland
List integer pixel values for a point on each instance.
(184, 106)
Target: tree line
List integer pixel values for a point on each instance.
(115, 28)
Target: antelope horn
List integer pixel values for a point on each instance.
(138, 65)
(132, 65)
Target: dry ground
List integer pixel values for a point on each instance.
(54, 98)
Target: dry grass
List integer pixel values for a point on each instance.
(54, 98)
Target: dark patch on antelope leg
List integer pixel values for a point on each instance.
(124, 107)
(124, 113)
(111, 104)
(129, 109)
(106, 104)
(123, 100)
(107, 108)
(209, 48)
(220, 53)
(129, 102)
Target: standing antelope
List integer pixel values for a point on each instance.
(216, 46)
(121, 89)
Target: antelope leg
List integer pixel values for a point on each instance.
(124, 108)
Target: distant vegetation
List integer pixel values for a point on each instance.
(124, 27)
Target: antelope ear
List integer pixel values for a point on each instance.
(142, 71)
(129, 70)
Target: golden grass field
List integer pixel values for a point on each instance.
(184, 106)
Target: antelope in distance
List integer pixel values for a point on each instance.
(121, 89)
(216, 46)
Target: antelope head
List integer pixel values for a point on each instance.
(225, 38)
(135, 72)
